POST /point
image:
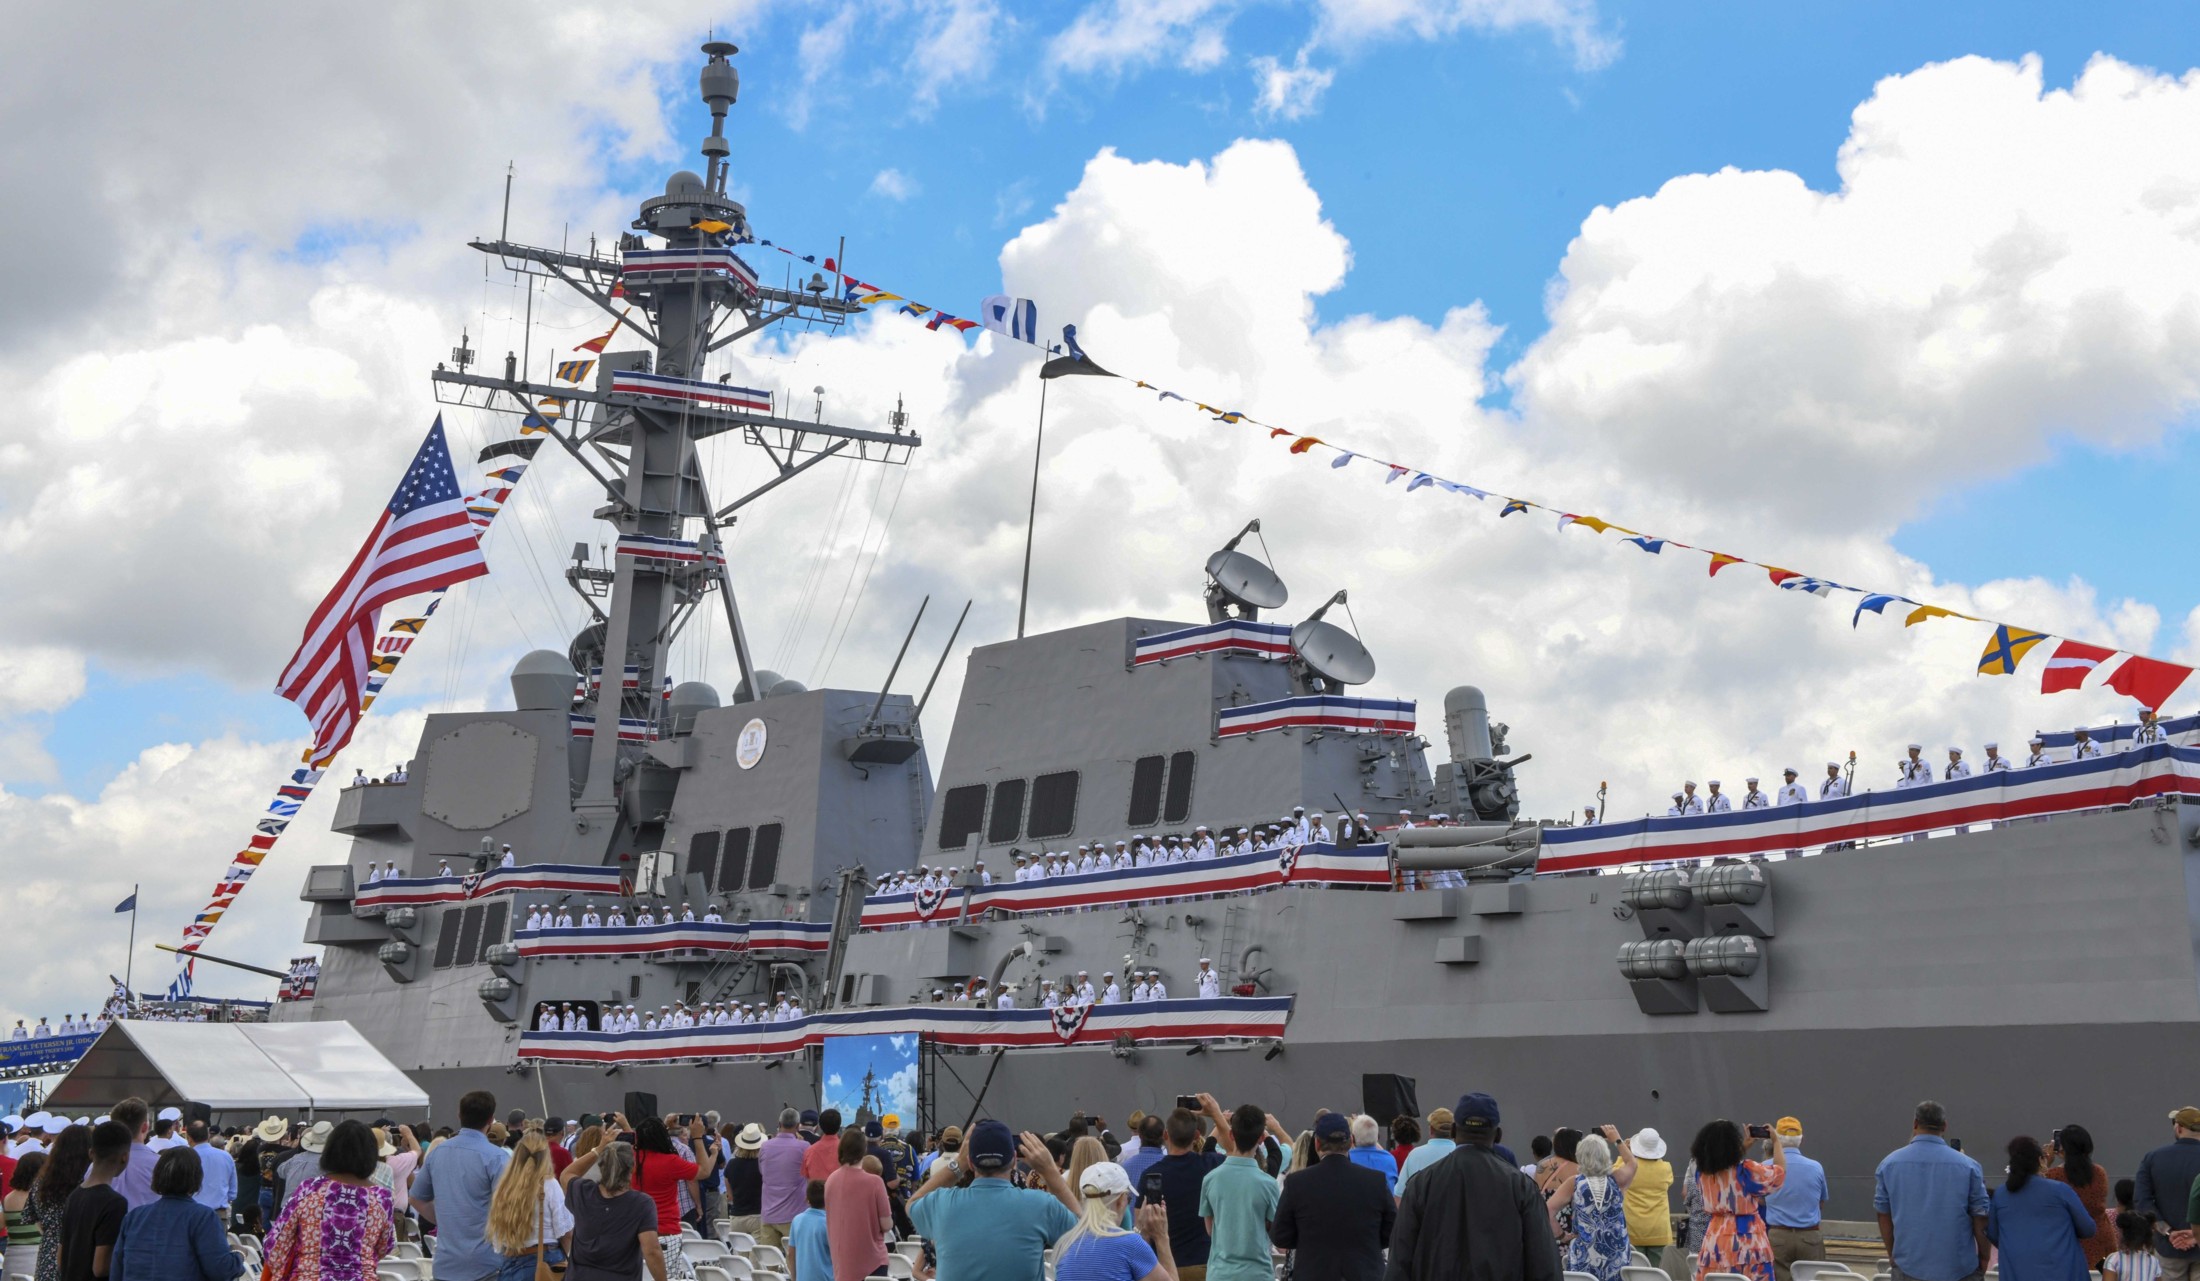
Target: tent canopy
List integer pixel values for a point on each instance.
(237, 1067)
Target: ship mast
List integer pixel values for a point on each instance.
(643, 450)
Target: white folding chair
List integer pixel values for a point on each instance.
(1642, 1272)
(720, 1226)
(736, 1267)
(772, 1276)
(688, 1233)
(898, 1268)
(1812, 1269)
(710, 1272)
(1638, 1258)
(1579, 1276)
(738, 1242)
(1724, 1276)
(407, 1250)
(914, 1250)
(701, 1251)
(768, 1258)
(383, 1272)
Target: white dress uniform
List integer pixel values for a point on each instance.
(547, 1021)
(711, 916)
(1156, 990)
(1717, 803)
(565, 920)
(1957, 769)
(534, 918)
(617, 919)
(1112, 994)
(1691, 803)
(2149, 734)
(1138, 989)
(590, 920)
(1317, 832)
(645, 917)
(1792, 794)
(2085, 750)
(1754, 799)
(1205, 849)
(2040, 756)
(1052, 1000)
(1006, 1000)
(1210, 983)
(1832, 788)
(507, 860)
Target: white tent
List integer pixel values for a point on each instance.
(237, 1067)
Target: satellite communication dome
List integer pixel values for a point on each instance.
(542, 681)
(780, 688)
(690, 699)
(766, 680)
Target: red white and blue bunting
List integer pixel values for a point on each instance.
(675, 551)
(1366, 865)
(1083, 1027)
(2120, 778)
(1349, 713)
(670, 266)
(534, 878)
(1233, 636)
(633, 382)
(677, 936)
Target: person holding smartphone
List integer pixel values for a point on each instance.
(1733, 1188)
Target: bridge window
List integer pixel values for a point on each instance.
(1179, 804)
(962, 814)
(446, 937)
(1146, 790)
(733, 868)
(1053, 805)
(1008, 812)
(469, 935)
(765, 865)
(493, 921)
(703, 857)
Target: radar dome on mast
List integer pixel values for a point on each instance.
(1324, 655)
(1238, 579)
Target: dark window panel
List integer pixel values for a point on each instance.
(1146, 790)
(703, 857)
(1007, 822)
(962, 814)
(469, 935)
(1179, 805)
(733, 866)
(493, 921)
(765, 865)
(446, 938)
(1053, 805)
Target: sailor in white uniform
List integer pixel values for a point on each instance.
(507, 860)
(19, 1032)
(1717, 802)
(1085, 994)
(1156, 990)
(443, 868)
(645, 916)
(2085, 749)
(1405, 818)
(1203, 846)
(1050, 998)
(1690, 802)
(1299, 826)
(1957, 766)
(1110, 993)
(1833, 787)
(1995, 762)
(711, 916)
(1138, 987)
(1791, 792)
(1210, 983)
(1676, 809)
(1317, 832)
(590, 918)
(1588, 816)
(534, 916)
(1005, 999)
(794, 1008)
(1754, 799)
(2150, 732)
(565, 918)
(547, 1021)
(2040, 755)
(616, 918)
(687, 914)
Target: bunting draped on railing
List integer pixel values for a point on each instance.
(2121, 778)
(389, 649)
(676, 936)
(1240, 873)
(530, 878)
(2149, 681)
(1261, 1018)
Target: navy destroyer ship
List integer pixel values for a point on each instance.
(2036, 962)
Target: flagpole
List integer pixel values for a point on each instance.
(1023, 595)
(130, 958)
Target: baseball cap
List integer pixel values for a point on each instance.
(1788, 1125)
(891, 1121)
(809, 1116)
(1330, 1125)
(1478, 1111)
(1439, 1118)
(951, 1138)
(2189, 1117)
(990, 1145)
(1104, 1178)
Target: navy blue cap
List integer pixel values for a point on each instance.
(1479, 1110)
(990, 1145)
(871, 1129)
(1331, 1125)
(809, 1116)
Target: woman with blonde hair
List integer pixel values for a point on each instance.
(588, 1141)
(528, 1218)
(1099, 1247)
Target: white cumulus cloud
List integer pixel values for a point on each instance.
(1291, 92)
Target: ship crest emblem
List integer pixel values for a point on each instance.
(928, 900)
(1069, 1019)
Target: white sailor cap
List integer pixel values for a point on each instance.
(1676, 796)
(11, 1122)
(1106, 974)
(938, 992)
(2039, 739)
(1751, 779)
(1084, 847)
(1407, 813)
(1916, 747)
(1204, 961)
(1955, 751)
(1993, 747)
(1791, 770)
(87, 1121)
(2082, 732)
(1298, 809)
(97, 1120)
(1711, 782)
(1833, 765)
(169, 1114)
(1688, 782)
(37, 1120)
(1201, 828)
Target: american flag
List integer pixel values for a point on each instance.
(423, 541)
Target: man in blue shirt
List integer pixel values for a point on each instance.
(217, 1172)
(2162, 1189)
(1440, 1145)
(1793, 1210)
(1931, 1201)
(452, 1191)
(1150, 1148)
(993, 1230)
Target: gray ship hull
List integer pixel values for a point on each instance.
(2030, 977)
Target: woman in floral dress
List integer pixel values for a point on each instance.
(1733, 1190)
(1596, 1208)
(336, 1227)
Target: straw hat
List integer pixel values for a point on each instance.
(271, 1130)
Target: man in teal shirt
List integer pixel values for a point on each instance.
(1238, 1201)
(1440, 1145)
(992, 1230)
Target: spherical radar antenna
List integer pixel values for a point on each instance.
(1245, 581)
(1331, 652)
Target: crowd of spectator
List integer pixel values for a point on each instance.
(1194, 1193)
